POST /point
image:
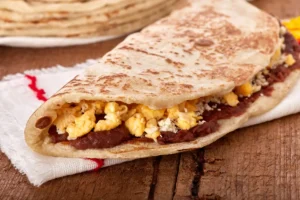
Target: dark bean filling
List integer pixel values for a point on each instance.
(119, 135)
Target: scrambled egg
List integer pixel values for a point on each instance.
(149, 113)
(136, 124)
(139, 119)
(152, 130)
(112, 118)
(82, 125)
(65, 117)
(99, 107)
(186, 120)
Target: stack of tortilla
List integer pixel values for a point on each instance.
(78, 18)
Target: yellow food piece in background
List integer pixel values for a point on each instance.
(289, 60)
(112, 120)
(296, 33)
(231, 99)
(293, 26)
(292, 23)
(82, 125)
(149, 113)
(136, 124)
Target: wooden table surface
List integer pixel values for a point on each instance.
(260, 162)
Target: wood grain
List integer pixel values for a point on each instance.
(15, 60)
(259, 162)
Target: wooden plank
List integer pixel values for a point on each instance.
(281, 9)
(166, 177)
(16, 60)
(259, 162)
(130, 180)
(190, 171)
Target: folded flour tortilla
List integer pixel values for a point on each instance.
(179, 84)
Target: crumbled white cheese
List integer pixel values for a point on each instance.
(201, 122)
(200, 108)
(214, 106)
(256, 88)
(215, 100)
(207, 107)
(167, 125)
(260, 80)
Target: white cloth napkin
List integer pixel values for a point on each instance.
(42, 42)
(18, 101)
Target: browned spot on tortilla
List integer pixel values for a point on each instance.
(231, 29)
(104, 91)
(59, 94)
(187, 51)
(112, 77)
(7, 20)
(151, 71)
(204, 42)
(43, 122)
(176, 64)
(122, 64)
(168, 72)
(126, 86)
(187, 86)
(141, 51)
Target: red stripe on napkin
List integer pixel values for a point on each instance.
(99, 162)
(33, 86)
(40, 96)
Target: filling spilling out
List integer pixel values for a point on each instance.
(97, 124)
